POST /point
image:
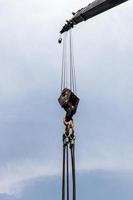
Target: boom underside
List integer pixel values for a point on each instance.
(93, 9)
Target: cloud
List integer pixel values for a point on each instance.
(96, 184)
(30, 63)
(15, 174)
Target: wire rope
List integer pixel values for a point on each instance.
(71, 80)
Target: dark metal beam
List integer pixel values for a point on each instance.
(93, 9)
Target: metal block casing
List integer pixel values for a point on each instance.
(69, 101)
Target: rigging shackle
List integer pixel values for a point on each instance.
(69, 124)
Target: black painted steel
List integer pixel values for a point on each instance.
(93, 9)
(69, 101)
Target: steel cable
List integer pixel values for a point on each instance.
(72, 67)
(63, 172)
(64, 75)
(67, 172)
(73, 170)
(64, 65)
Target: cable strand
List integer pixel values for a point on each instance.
(67, 173)
(63, 172)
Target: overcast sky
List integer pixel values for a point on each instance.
(30, 118)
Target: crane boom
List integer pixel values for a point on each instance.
(93, 9)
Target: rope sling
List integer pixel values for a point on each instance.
(69, 102)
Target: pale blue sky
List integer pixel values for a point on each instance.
(30, 118)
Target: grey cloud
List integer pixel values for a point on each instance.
(95, 185)
(30, 64)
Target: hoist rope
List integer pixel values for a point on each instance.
(63, 171)
(65, 79)
(64, 66)
(67, 173)
(72, 66)
(73, 170)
